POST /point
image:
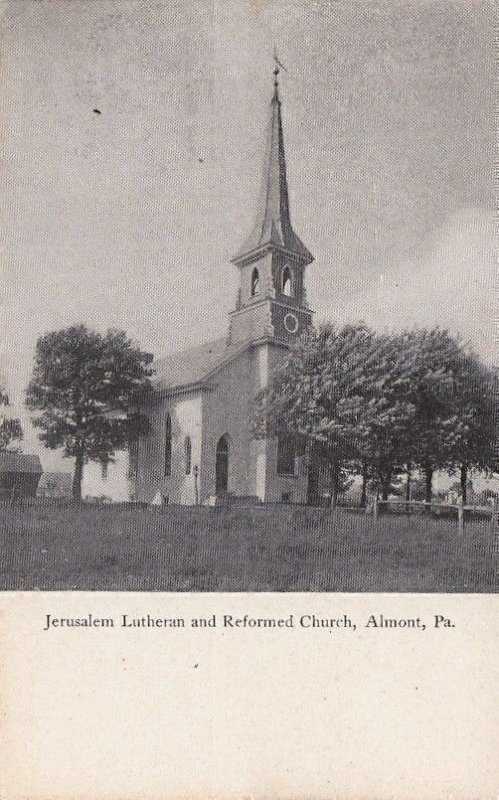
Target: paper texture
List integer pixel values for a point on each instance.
(265, 713)
(133, 137)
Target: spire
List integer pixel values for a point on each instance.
(273, 226)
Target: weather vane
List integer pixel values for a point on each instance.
(277, 68)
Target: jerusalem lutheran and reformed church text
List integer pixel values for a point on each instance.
(307, 621)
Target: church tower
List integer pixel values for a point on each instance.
(271, 304)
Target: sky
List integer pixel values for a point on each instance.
(129, 218)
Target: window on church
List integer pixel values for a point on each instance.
(188, 455)
(286, 452)
(168, 445)
(255, 283)
(287, 286)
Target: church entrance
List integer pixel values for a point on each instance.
(222, 466)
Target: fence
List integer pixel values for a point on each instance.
(421, 505)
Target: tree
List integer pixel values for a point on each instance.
(315, 395)
(382, 422)
(383, 406)
(10, 427)
(432, 365)
(84, 394)
(475, 435)
(430, 404)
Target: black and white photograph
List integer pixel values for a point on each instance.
(249, 490)
(248, 296)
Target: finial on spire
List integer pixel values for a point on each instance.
(277, 69)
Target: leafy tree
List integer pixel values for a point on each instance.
(475, 434)
(10, 427)
(316, 393)
(433, 361)
(430, 406)
(84, 392)
(382, 424)
(384, 406)
(414, 487)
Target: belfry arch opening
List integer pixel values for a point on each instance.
(255, 283)
(222, 465)
(287, 283)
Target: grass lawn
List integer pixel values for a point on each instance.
(280, 548)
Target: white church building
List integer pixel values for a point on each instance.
(200, 445)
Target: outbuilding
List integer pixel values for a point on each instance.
(19, 475)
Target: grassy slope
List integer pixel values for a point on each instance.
(220, 549)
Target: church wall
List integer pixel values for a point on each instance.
(251, 322)
(283, 488)
(227, 410)
(177, 488)
(278, 486)
(223, 409)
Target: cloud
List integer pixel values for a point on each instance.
(452, 286)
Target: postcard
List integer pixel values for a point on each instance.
(249, 492)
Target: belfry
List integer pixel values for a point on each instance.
(273, 258)
(200, 448)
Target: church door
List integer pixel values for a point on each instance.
(222, 465)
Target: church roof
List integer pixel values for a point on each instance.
(19, 462)
(193, 366)
(273, 225)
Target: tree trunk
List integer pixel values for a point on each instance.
(428, 475)
(408, 483)
(464, 483)
(385, 479)
(78, 476)
(333, 484)
(363, 495)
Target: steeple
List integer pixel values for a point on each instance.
(271, 304)
(273, 224)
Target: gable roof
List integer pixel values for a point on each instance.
(192, 367)
(19, 462)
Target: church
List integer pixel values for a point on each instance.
(200, 448)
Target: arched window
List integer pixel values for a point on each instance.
(255, 283)
(168, 445)
(188, 455)
(222, 465)
(287, 286)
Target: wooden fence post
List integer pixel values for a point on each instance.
(196, 485)
(493, 517)
(460, 520)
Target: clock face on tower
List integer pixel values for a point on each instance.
(291, 323)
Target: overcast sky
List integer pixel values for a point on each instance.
(128, 218)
